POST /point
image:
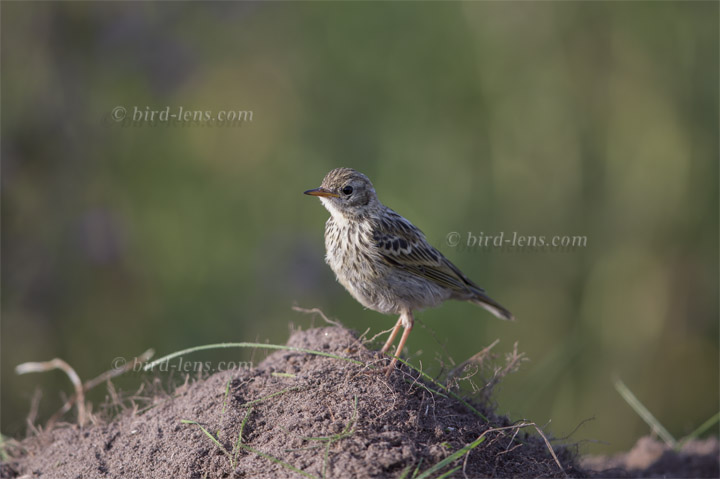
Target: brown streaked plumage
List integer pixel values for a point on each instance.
(383, 260)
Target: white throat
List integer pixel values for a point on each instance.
(333, 209)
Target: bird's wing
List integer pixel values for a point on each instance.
(404, 246)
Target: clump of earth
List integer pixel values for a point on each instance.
(303, 414)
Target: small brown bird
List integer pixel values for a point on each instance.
(384, 261)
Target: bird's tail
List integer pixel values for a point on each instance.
(481, 299)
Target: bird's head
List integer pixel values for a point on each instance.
(347, 192)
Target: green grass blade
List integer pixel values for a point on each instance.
(405, 472)
(417, 468)
(244, 421)
(4, 456)
(447, 474)
(452, 457)
(238, 444)
(227, 393)
(643, 412)
(207, 433)
(701, 430)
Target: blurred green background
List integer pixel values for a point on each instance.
(553, 118)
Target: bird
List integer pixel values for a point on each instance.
(384, 261)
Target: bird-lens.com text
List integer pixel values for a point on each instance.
(183, 365)
(515, 241)
(176, 116)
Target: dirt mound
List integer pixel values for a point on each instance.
(652, 458)
(298, 414)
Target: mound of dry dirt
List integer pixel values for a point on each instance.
(652, 458)
(297, 415)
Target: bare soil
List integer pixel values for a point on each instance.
(652, 458)
(304, 415)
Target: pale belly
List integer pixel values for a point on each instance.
(374, 283)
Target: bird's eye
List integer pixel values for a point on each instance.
(347, 190)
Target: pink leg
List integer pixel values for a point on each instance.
(393, 335)
(407, 320)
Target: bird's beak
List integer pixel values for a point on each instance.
(321, 192)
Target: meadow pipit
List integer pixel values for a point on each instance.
(383, 260)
